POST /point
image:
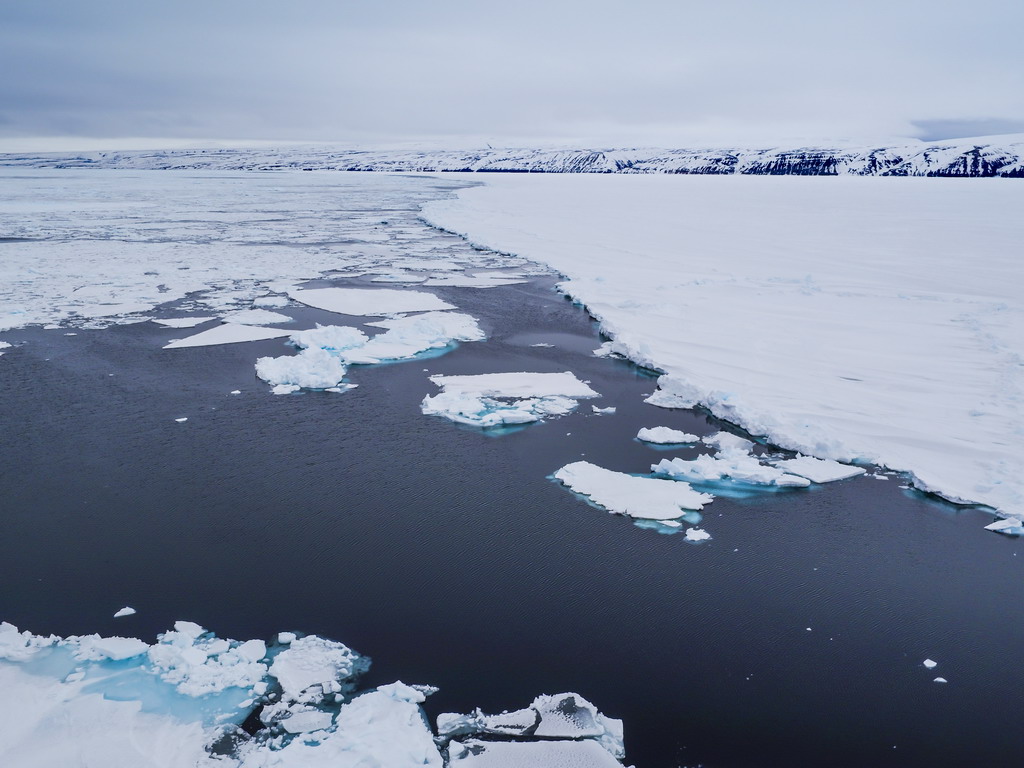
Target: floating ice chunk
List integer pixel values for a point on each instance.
(818, 470)
(236, 392)
(495, 399)
(4, 345)
(21, 646)
(474, 753)
(287, 389)
(312, 368)
(182, 420)
(639, 497)
(256, 317)
(407, 337)
(734, 464)
(665, 436)
(726, 440)
(697, 534)
(383, 727)
(369, 301)
(542, 344)
(333, 338)
(600, 411)
(275, 302)
(310, 662)
(126, 611)
(182, 322)
(228, 333)
(930, 664)
(940, 680)
(1011, 526)
(285, 637)
(520, 384)
(197, 663)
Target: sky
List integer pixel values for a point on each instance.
(83, 74)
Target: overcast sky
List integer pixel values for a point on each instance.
(82, 73)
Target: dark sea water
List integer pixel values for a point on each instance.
(449, 556)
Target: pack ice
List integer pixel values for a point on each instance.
(504, 399)
(119, 702)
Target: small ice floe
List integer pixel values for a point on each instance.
(312, 368)
(542, 344)
(733, 464)
(236, 391)
(818, 470)
(182, 419)
(479, 280)
(4, 345)
(697, 534)
(182, 322)
(726, 440)
(126, 611)
(284, 638)
(369, 301)
(940, 680)
(270, 302)
(674, 393)
(569, 731)
(228, 333)
(929, 664)
(256, 317)
(1010, 526)
(69, 333)
(665, 436)
(599, 411)
(645, 498)
(284, 389)
(497, 399)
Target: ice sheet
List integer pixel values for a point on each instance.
(851, 319)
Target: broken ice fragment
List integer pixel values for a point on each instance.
(726, 440)
(369, 301)
(818, 470)
(639, 497)
(126, 611)
(228, 333)
(256, 317)
(697, 534)
(930, 664)
(665, 436)
(1011, 526)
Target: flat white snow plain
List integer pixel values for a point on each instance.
(869, 319)
(120, 702)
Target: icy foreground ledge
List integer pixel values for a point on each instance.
(123, 703)
(866, 319)
(639, 497)
(504, 399)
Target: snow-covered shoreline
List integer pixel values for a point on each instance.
(851, 319)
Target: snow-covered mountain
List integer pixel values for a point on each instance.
(986, 156)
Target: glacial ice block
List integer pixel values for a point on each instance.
(312, 368)
(369, 301)
(665, 436)
(228, 333)
(645, 498)
(818, 470)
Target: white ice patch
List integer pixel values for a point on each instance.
(639, 497)
(818, 470)
(126, 611)
(603, 411)
(407, 337)
(333, 338)
(309, 665)
(256, 317)
(929, 664)
(182, 322)
(697, 534)
(1010, 526)
(726, 440)
(270, 302)
(228, 333)
(734, 464)
(197, 663)
(312, 368)
(503, 399)
(665, 436)
(369, 301)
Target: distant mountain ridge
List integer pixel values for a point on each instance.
(994, 156)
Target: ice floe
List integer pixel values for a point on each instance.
(1010, 526)
(312, 368)
(734, 463)
(639, 497)
(500, 399)
(727, 440)
(697, 534)
(928, 663)
(256, 317)
(270, 302)
(369, 301)
(182, 322)
(665, 436)
(228, 333)
(126, 611)
(123, 703)
(818, 470)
